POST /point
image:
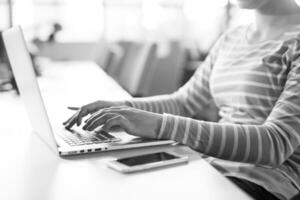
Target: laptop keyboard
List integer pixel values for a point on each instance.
(75, 138)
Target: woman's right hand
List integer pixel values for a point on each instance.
(89, 109)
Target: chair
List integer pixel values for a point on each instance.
(168, 70)
(125, 47)
(108, 57)
(137, 69)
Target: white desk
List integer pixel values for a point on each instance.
(30, 171)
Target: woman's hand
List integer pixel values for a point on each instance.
(133, 121)
(89, 109)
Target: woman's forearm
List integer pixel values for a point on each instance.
(268, 144)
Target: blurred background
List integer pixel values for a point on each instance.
(149, 47)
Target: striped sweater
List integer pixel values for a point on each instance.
(256, 90)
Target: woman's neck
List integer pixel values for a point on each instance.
(269, 23)
(273, 19)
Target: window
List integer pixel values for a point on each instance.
(191, 21)
(80, 19)
(4, 14)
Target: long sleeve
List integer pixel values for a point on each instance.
(189, 99)
(268, 144)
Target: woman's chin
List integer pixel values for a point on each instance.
(247, 4)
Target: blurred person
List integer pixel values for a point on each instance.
(252, 77)
(56, 28)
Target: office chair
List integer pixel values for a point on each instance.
(168, 70)
(137, 69)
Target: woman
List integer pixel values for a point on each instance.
(252, 75)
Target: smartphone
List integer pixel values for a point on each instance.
(146, 161)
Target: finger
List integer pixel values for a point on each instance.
(83, 112)
(116, 110)
(101, 113)
(73, 108)
(98, 121)
(74, 117)
(97, 113)
(116, 121)
(71, 121)
(65, 122)
(77, 118)
(94, 115)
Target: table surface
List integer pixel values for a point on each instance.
(31, 171)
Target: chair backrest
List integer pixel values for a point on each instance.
(168, 70)
(148, 70)
(126, 47)
(135, 74)
(102, 52)
(108, 57)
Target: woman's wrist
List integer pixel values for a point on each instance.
(158, 124)
(119, 103)
(127, 103)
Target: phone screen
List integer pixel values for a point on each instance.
(148, 158)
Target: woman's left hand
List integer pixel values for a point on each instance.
(133, 121)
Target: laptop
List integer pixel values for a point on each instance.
(62, 141)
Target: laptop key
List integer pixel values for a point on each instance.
(105, 134)
(101, 137)
(86, 138)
